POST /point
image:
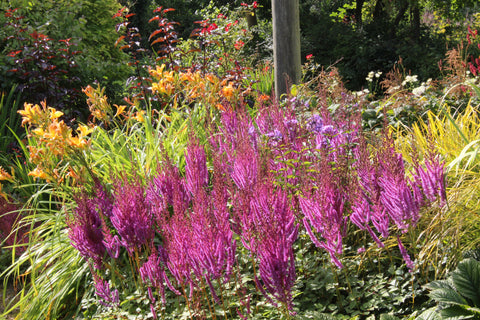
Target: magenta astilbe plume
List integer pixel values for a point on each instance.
(103, 200)
(196, 172)
(406, 257)
(108, 297)
(363, 213)
(432, 179)
(167, 191)
(397, 194)
(276, 231)
(85, 230)
(153, 272)
(323, 209)
(214, 249)
(245, 170)
(130, 215)
(178, 245)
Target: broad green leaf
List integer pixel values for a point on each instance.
(448, 296)
(466, 279)
(455, 313)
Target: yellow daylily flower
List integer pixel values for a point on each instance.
(120, 110)
(38, 173)
(30, 114)
(84, 130)
(54, 114)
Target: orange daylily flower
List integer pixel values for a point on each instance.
(38, 173)
(54, 114)
(4, 175)
(228, 91)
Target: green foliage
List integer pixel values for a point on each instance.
(459, 295)
(9, 125)
(90, 26)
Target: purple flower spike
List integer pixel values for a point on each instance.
(276, 231)
(131, 217)
(406, 257)
(432, 180)
(103, 200)
(153, 272)
(85, 231)
(196, 168)
(107, 297)
(324, 214)
(397, 195)
(244, 172)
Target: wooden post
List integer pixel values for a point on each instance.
(286, 44)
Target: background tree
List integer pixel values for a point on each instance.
(286, 44)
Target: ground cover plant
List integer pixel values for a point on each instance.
(200, 196)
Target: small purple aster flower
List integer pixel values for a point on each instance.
(315, 123)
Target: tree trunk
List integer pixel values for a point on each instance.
(415, 21)
(378, 11)
(358, 13)
(286, 44)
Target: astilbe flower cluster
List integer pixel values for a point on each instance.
(108, 297)
(270, 177)
(387, 198)
(85, 230)
(275, 233)
(323, 210)
(199, 241)
(131, 216)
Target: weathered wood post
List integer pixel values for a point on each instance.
(286, 44)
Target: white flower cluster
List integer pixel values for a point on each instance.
(409, 79)
(372, 75)
(470, 80)
(418, 91)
